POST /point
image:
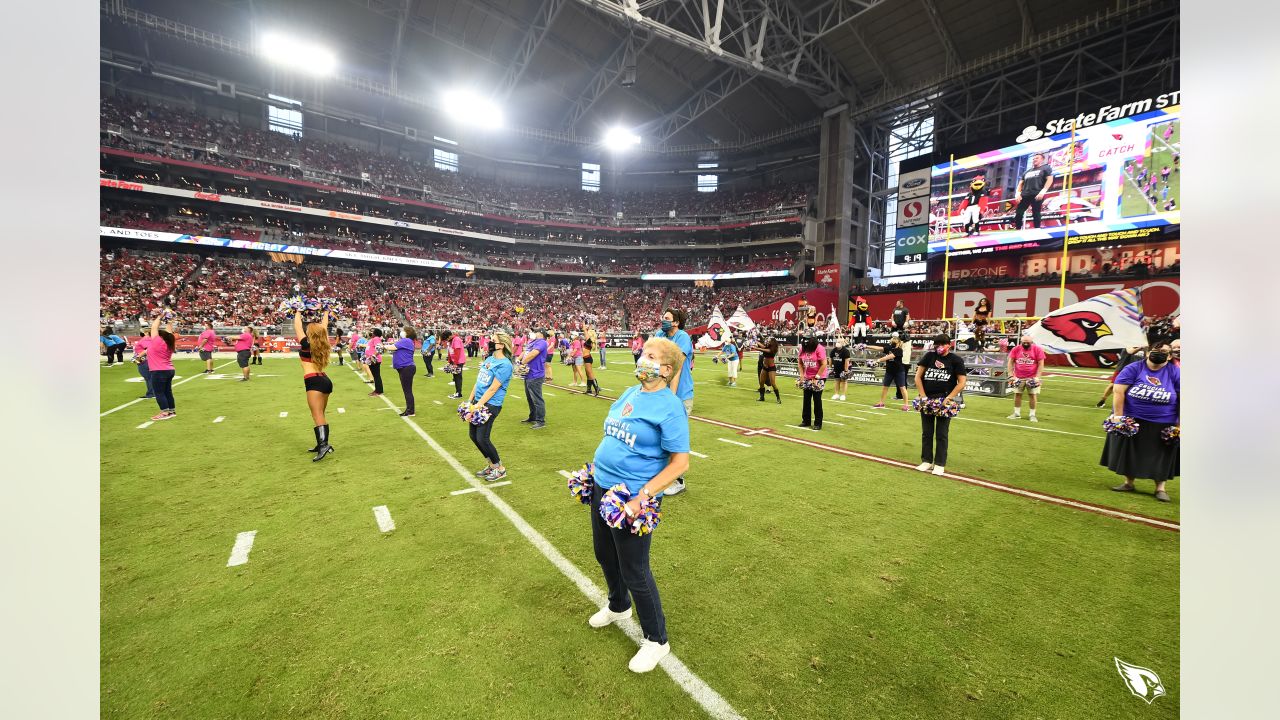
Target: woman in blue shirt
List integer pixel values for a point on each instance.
(428, 350)
(645, 447)
(730, 355)
(1146, 391)
(491, 390)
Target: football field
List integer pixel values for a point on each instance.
(1159, 155)
(803, 574)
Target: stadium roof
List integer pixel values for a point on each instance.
(558, 65)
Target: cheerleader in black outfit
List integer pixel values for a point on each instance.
(767, 369)
(314, 353)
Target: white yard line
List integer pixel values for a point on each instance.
(711, 701)
(240, 551)
(219, 419)
(464, 491)
(187, 380)
(1032, 427)
(833, 422)
(146, 425)
(565, 474)
(852, 417)
(733, 442)
(869, 412)
(383, 516)
(697, 454)
(801, 427)
(437, 402)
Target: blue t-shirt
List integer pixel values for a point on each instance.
(428, 344)
(1153, 394)
(538, 365)
(493, 370)
(111, 340)
(730, 351)
(640, 433)
(682, 341)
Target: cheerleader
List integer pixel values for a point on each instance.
(256, 351)
(813, 370)
(588, 366)
(575, 359)
(841, 362)
(457, 357)
(373, 360)
(981, 316)
(767, 368)
(313, 351)
(338, 345)
(490, 391)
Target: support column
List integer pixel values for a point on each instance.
(836, 243)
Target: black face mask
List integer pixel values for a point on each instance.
(1026, 346)
(1158, 358)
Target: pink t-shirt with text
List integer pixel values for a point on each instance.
(159, 356)
(457, 351)
(1026, 362)
(812, 361)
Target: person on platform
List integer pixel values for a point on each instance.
(536, 355)
(974, 205)
(981, 318)
(940, 374)
(313, 351)
(1033, 186)
(1148, 392)
(490, 391)
(1026, 362)
(895, 370)
(901, 319)
(646, 448)
(402, 363)
(841, 364)
(813, 367)
(206, 344)
(672, 328)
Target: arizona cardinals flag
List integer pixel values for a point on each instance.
(716, 330)
(1106, 322)
(740, 320)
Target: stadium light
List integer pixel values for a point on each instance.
(468, 108)
(298, 54)
(618, 138)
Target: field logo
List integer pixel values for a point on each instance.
(1141, 682)
(1029, 133)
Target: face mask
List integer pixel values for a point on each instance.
(1026, 346)
(1158, 358)
(666, 326)
(943, 350)
(647, 370)
(403, 334)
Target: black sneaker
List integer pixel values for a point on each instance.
(528, 420)
(406, 413)
(322, 452)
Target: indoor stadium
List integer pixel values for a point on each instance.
(600, 358)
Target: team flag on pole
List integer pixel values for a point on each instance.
(716, 330)
(740, 320)
(1106, 322)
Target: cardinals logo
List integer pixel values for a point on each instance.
(627, 409)
(1141, 682)
(713, 332)
(1152, 380)
(938, 364)
(1081, 327)
(979, 182)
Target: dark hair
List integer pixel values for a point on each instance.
(445, 335)
(678, 316)
(809, 344)
(410, 333)
(168, 339)
(941, 339)
(376, 332)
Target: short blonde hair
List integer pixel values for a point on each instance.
(668, 353)
(504, 340)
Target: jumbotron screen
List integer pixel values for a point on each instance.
(1125, 181)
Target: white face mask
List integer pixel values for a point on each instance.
(403, 334)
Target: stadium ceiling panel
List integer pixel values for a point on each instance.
(678, 73)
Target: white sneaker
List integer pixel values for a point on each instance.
(1033, 419)
(647, 657)
(1016, 416)
(605, 617)
(939, 470)
(676, 488)
(924, 467)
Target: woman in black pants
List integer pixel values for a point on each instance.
(490, 391)
(373, 359)
(940, 374)
(402, 361)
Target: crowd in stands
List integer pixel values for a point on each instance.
(188, 135)
(132, 283)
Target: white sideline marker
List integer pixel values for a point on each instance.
(145, 425)
(437, 402)
(464, 491)
(869, 412)
(284, 413)
(853, 417)
(833, 422)
(549, 394)
(240, 551)
(383, 516)
(702, 693)
(341, 410)
(697, 454)
(733, 442)
(219, 419)
(801, 427)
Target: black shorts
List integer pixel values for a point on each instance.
(206, 354)
(318, 383)
(586, 361)
(242, 358)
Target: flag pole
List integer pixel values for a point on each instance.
(946, 262)
(1066, 225)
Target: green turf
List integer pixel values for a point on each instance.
(1159, 154)
(796, 583)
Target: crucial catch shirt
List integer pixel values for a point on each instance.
(641, 431)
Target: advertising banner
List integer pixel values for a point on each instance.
(827, 276)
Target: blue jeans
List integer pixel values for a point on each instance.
(145, 372)
(162, 382)
(624, 558)
(533, 395)
(602, 354)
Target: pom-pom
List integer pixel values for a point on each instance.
(453, 368)
(478, 416)
(1171, 434)
(1120, 425)
(1027, 383)
(521, 370)
(581, 483)
(941, 407)
(615, 516)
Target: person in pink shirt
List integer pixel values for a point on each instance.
(813, 366)
(244, 348)
(1026, 362)
(373, 360)
(637, 347)
(160, 362)
(575, 359)
(206, 344)
(519, 341)
(457, 356)
(140, 359)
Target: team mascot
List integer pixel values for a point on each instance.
(860, 318)
(974, 205)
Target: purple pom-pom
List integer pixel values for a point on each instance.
(453, 369)
(581, 483)
(615, 516)
(1120, 425)
(521, 370)
(479, 416)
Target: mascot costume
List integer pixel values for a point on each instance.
(974, 205)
